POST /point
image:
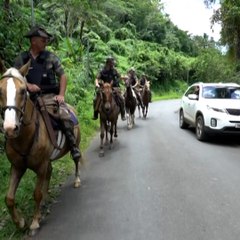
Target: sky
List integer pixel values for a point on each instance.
(191, 16)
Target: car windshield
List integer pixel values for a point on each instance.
(221, 92)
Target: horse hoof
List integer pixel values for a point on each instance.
(77, 184)
(101, 154)
(32, 232)
(35, 225)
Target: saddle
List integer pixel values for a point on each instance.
(50, 113)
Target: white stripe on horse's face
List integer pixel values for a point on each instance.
(10, 114)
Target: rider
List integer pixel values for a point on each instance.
(109, 74)
(142, 82)
(135, 84)
(46, 76)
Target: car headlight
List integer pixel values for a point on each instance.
(216, 109)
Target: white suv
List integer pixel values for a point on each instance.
(211, 108)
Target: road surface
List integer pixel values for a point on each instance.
(158, 183)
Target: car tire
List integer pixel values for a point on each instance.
(182, 122)
(200, 129)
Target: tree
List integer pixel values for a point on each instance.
(228, 15)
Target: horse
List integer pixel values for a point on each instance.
(145, 93)
(109, 111)
(130, 104)
(28, 145)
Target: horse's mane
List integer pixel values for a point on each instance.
(14, 73)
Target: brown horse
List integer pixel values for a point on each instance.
(145, 93)
(130, 104)
(109, 111)
(28, 145)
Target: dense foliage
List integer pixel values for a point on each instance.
(137, 33)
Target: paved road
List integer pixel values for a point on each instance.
(158, 183)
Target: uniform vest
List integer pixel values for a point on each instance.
(40, 74)
(110, 75)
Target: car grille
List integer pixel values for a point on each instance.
(235, 112)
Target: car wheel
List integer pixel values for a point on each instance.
(182, 123)
(200, 129)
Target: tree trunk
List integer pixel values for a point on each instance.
(6, 5)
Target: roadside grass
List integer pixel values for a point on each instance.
(62, 169)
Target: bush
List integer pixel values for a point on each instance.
(123, 34)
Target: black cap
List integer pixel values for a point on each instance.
(38, 32)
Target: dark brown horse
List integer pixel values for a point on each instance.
(28, 145)
(109, 111)
(145, 93)
(130, 104)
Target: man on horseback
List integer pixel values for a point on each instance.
(135, 85)
(142, 82)
(46, 78)
(109, 74)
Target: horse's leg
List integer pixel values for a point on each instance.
(15, 177)
(139, 111)
(146, 110)
(42, 175)
(101, 153)
(107, 129)
(111, 135)
(115, 130)
(131, 120)
(143, 111)
(128, 118)
(77, 182)
(47, 181)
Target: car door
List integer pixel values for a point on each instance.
(190, 103)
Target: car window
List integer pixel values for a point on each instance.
(235, 93)
(209, 92)
(193, 90)
(225, 92)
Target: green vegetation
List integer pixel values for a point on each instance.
(137, 33)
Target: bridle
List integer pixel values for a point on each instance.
(20, 110)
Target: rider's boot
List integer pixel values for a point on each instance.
(95, 115)
(71, 140)
(95, 112)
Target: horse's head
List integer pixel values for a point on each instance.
(147, 85)
(107, 95)
(127, 82)
(13, 96)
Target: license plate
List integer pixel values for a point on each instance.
(237, 125)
